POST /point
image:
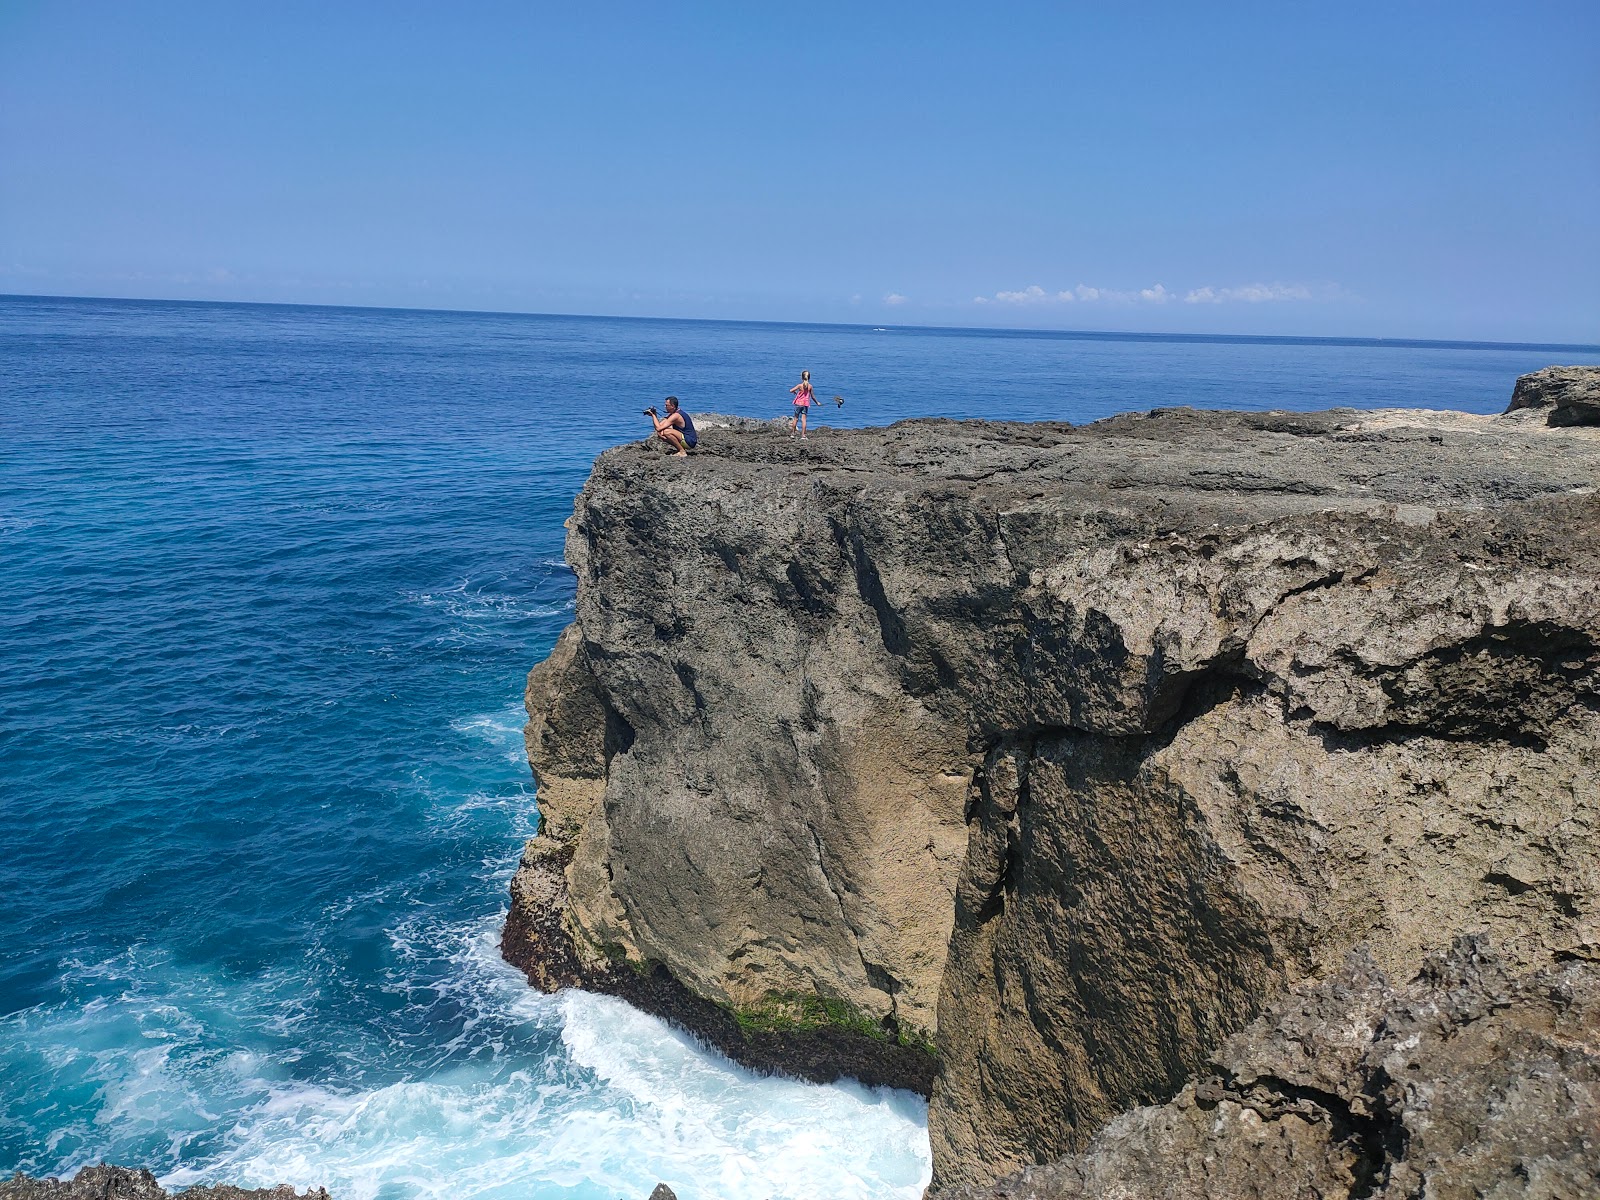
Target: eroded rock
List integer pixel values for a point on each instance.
(106, 1182)
(1569, 395)
(1071, 749)
(1463, 1082)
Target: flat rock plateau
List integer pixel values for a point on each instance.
(1191, 803)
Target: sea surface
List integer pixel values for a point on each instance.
(270, 582)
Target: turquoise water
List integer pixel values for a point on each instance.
(270, 581)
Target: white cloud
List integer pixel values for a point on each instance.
(1249, 293)
(894, 299)
(1082, 294)
(1034, 294)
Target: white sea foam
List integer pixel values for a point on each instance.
(508, 807)
(719, 1130)
(656, 1107)
(575, 1096)
(432, 1070)
(472, 601)
(630, 1102)
(501, 730)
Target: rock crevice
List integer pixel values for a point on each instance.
(1467, 1080)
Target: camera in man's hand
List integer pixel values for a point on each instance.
(651, 411)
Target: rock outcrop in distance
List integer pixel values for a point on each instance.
(1066, 753)
(1563, 395)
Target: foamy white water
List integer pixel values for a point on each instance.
(630, 1102)
(576, 1096)
(481, 1087)
(722, 1131)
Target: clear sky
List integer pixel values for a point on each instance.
(1340, 168)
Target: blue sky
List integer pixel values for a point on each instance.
(1395, 169)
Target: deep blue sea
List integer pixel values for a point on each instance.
(270, 582)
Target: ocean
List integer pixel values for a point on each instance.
(271, 579)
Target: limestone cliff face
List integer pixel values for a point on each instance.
(1463, 1081)
(1069, 748)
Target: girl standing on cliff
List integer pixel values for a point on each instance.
(803, 400)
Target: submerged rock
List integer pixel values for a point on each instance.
(1067, 750)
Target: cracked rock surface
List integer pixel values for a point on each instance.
(1462, 1082)
(1565, 395)
(1071, 748)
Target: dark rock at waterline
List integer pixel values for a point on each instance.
(663, 1192)
(106, 1182)
(1570, 394)
(819, 1055)
(536, 940)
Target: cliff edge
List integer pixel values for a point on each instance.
(1031, 763)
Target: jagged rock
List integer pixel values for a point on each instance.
(1462, 1083)
(1070, 747)
(106, 1182)
(663, 1192)
(1570, 394)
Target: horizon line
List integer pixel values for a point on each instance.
(1132, 335)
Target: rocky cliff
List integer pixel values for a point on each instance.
(1462, 1082)
(1068, 751)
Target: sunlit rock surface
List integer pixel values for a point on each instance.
(1070, 749)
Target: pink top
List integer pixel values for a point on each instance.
(803, 395)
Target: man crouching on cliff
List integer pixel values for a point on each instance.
(675, 429)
